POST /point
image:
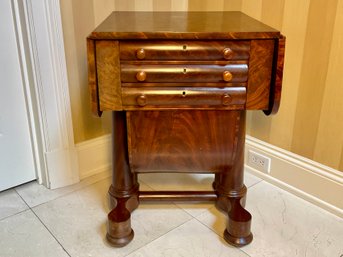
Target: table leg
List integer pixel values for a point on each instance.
(124, 189)
(231, 192)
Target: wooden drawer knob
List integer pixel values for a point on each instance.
(227, 76)
(141, 100)
(141, 76)
(140, 54)
(227, 53)
(226, 99)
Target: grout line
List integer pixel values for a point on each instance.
(62, 195)
(51, 233)
(67, 194)
(57, 197)
(28, 207)
(258, 182)
(191, 217)
(169, 231)
(220, 235)
(14, 214)
(141, 182)
(31, 209)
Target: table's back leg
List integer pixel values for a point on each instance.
(124, 189)
(231, 192)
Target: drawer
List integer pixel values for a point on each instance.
(166, 72)
(184, 50)
(175, 85)
(183, 97)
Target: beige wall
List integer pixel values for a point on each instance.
(79, 17)
(310, 120)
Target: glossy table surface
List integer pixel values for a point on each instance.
(182, 25)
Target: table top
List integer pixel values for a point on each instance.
(182, 25)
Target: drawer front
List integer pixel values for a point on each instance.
(184, 85)
(232, 72)
(184, 50)
(187, 141)
(183, 97)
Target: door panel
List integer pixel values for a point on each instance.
(16, 155)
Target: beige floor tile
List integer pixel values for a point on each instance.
(189, 182)
(285, 225)
(11, 203)
(180, 181)
(191, 239)
(78, 220)
(177, 181)
(35, 194)
(23, 235)
(250, 179)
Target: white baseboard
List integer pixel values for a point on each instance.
(63, 167)
(312, 181)
(94, 156)
(48, 90)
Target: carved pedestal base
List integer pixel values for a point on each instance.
(229, 190)
(119, 232)
(237, 231)
(238, 227)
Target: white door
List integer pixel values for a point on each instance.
(16, 154)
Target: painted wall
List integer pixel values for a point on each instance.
(310, 120)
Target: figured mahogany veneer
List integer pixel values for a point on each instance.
(184, 72)
(178, 85)
(184, 50)
(181, 141)
(185, 98)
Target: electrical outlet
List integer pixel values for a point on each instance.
(259, 161)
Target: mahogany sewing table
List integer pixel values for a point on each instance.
(179, 85)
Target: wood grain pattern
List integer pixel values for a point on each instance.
(184, 98)
(108, 70)
(184, 72)
(231, 192)
(276, 86)
(123, 192)
(181, 141)
(260, 72)
(185, 50)
(182, 25)
(183, 81)
(181, 85)
(92, 78)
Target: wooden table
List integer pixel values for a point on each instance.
(178, 85)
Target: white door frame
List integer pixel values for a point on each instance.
(41, 48)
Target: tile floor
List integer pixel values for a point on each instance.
(71, 221)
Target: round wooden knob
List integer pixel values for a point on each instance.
(141, 76)
(227, 76)
(227, 53)
(140, 54)
(226, 99)
(141, 100)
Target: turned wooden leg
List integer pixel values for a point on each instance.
(239, 224)
(124, 189)
(231, 192)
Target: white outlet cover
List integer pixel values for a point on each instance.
(259, 161)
